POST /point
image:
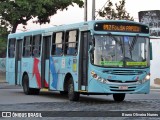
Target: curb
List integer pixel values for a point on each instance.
(155, 89)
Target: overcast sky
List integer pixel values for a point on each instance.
(76, 14)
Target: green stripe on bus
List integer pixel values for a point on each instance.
(136, 63)
(111, 63)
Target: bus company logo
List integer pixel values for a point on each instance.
(6, 114)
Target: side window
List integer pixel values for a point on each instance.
(71, 43)
(57, 43)
(11, 48)
(36, 46)
(27, 46)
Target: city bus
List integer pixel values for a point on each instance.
(100, 57)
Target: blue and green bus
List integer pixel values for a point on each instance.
(101, 57)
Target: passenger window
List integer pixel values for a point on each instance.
(11, 48)
(71, 43)
(36, 46)
(27, 46)
(57, 43)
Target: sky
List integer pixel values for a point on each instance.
(76, 14)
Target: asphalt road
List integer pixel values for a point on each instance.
(13, 99)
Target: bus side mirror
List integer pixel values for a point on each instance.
(150, 46)
(91, 49)
(92, 44)
(92, 41)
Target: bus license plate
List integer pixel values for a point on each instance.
(123, 87)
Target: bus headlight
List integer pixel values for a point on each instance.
(98, 78)
(146, 78)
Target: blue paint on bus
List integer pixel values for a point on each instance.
(54, 74)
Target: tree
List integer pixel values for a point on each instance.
(3, 41)
(119, 13)
(14, 12)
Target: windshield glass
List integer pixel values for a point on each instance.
(121, 51)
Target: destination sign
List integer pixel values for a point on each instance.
(121, 27)
(128, 28)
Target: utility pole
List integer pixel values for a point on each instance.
(93, 9)
(85, 10)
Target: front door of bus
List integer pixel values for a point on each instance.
(18, 61)
(45, 61)
(83, 61)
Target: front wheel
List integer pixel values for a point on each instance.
(119, 97)
(72, 95)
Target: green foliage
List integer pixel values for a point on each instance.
(3, 41)
(119, 13)
(20, 11)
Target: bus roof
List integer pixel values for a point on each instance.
(88, 25)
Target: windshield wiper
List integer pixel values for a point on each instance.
(131, 46)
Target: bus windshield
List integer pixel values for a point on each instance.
(121, 51)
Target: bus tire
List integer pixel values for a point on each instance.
(26, 89)
(63, 92)
(119, 97)
(25, 84)
(72, 95)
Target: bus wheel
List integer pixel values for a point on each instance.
(25, 84)
(72, 95)
(119, 97)
(63, 92)
(26, 89)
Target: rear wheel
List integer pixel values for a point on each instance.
(72, 95)
(119, 97)
(63, 92)
(26, 89)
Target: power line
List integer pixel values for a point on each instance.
(101, 8)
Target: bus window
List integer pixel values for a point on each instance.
(57, 43)
(11, 48)
(27, 46)
(71, 42)
(36, 46)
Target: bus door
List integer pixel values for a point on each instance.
(83, 61)
(18, 58)
(45, 61)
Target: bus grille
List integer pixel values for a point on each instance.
(118, 81)
(124, 72)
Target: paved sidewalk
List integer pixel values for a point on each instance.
(2, 77)
(5, 85)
